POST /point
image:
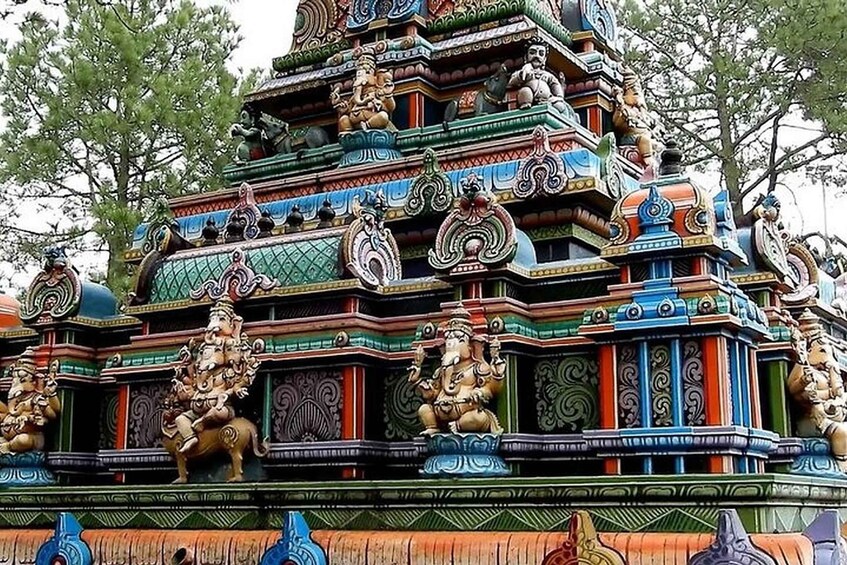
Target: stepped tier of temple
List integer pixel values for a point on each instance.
(459, 293)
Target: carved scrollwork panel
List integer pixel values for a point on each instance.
(660, 385)
(629, 398)
(566, 391)
(145, 414)
(400, 407)
(694, 392)
(307, 406)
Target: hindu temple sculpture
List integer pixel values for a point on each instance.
(200, 417)
(632, 120)
(372, 101)
(536, 85)
(456, 395)
(816, 383)
(262, 135)
(32, 403)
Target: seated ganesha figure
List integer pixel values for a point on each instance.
(209, 376)
(456, 395)
(33, 402)
(815, 382)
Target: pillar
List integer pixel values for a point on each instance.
(595, 120)
(353, 410)
(777, 376)
(122, 423)
(677, 403)
(716, 385)
(645, 395)
(608, 369)
(416, 110)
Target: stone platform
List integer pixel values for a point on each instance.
(691, 503)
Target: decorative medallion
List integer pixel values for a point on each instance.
(618, 226)
(582, 546)
(319, 23)
(307, 407)
(246, 212)
(599, 16)
(700, 219)
(364, 12)
(477, 231)
(804, 271)
(655, 214)
(566, 394)
(368, 249)
(732, 545)
(543, 172)
(706, 305)
(56, 291)
(237, 281)
(161, 217)
(767, 237)
(432, 190)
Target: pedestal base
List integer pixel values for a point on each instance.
(464, 455)
(816, 460)
(361, 147)
(25, 470)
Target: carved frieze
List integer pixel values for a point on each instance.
(307, 406)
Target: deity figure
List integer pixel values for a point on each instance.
(263, 136)
(199, 416)
(372, 101)
(632, 121)
(816, 384)
(252, 146)
(32, 403)
(456, 395)
(536, 85)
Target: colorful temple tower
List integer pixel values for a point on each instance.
(458, 304)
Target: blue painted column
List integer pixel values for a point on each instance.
(747, 464)
(676, 396)
(646, 396)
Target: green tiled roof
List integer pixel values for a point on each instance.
(291, 263)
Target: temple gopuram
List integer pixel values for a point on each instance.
(461, 303)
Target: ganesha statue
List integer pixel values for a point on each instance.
(33, 402)
(463, 434)
(816, 384)
(372, 101)
(199, 417)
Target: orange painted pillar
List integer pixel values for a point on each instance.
(595, 120)
(608, 369)
(716, 390)
(122, 424)
(416, 110)
(353, 410)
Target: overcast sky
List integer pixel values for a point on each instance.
(266, 27)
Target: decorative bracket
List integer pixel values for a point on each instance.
(237, 281)
(296, 545)
(732, 545)
(65, 547)
(583, 546)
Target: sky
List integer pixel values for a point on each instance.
(267, 26)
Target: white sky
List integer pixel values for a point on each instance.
(266, 27)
